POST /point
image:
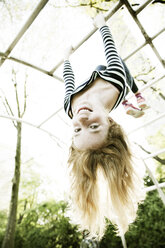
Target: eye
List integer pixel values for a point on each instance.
(94, 126)
(76, 130)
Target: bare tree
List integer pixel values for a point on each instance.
(8, 241)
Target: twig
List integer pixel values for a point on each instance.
(7, 107)
(25, 96)
(16, 91)
(157, 158)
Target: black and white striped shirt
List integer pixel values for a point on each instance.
(114, 73)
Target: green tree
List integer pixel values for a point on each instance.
(46, 226)
(3, 222)
(158, 142)
(148, 229)
(11, 223)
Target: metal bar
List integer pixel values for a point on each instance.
(123, 241)
(49, 117)
(32, 66)
(144, 44)
(161, 194)
(143, 6)
(145, 87)
(162, 61)
(152, 83)
(13, 118)
(27, 24)
(147, 38)
(113, 11)
(156, 35)
(49, 73)
(117, 7)
(154, 154)
(141, 90)
(153, 187)
(135, 51)
(147, 123)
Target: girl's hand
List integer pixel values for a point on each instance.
(68, 51)
(99, 21)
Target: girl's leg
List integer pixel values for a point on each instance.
(131, 109)
(130, 80)
(140, 99)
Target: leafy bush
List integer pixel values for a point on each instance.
(47, 227)
(149, 228)
(3, 222)
(147, 231)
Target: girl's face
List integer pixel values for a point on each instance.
(90, 127)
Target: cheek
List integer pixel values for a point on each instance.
(92, 142)
(74, 122)
(79, 142)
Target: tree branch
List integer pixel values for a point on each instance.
(145, 82)
(25, 96)
(145, 73)
(8, 108)
(157, 158)
(90, 4)
(14, 80)
(21, 215)
(8, 9)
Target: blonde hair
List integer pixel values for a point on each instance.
(110, 168)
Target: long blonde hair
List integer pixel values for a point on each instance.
(110, 168)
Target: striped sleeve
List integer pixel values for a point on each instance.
(114, 64)
(69, 81)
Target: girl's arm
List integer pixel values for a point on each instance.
(69, 79)
(68, 76)
(111, 54)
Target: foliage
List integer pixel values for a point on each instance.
(3, 218)
(47, 227)
(159, 138)
(148, 229)
(158, 142)
(3, 222)
(92, 7)
(44, 226)
(110, 239)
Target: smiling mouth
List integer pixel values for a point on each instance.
(84, 109)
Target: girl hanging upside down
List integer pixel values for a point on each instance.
(99, 150)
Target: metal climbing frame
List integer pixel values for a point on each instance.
(148, 41)
(134, 13)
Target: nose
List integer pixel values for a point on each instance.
(82, 118)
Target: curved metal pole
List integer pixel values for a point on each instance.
(113, 11)
(27, 24)
(13, 118)
(147, 123)
(161, 194)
